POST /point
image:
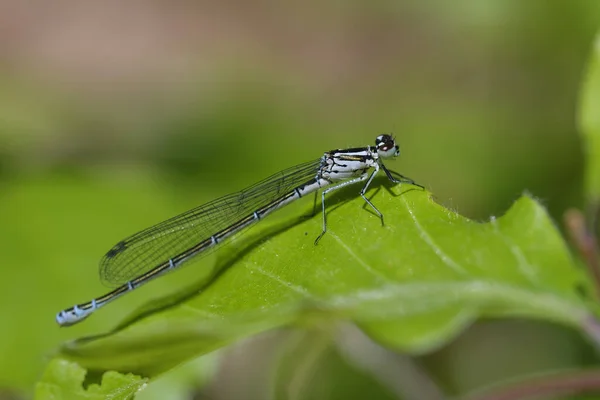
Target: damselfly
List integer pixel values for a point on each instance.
(154, 251)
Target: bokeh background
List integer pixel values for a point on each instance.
(115, 115)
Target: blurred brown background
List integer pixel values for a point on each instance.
(115, 115)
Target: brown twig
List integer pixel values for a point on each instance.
(584, 239)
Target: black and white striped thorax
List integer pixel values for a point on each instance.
(337, 165)
(342, 164)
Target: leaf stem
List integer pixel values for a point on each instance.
(551, 385)
(400, 374)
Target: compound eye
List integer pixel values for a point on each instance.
(386, 146)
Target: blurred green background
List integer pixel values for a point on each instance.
(116, 115)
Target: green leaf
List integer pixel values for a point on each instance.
(412, 284)
(64, 380)
(589, 122)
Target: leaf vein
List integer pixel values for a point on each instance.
(446, 259)
(359, 260)
(293, 287)
(524, 266)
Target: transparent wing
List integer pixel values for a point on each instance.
(143, 251)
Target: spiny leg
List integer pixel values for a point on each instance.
(314, 212)
(403, 179)
(341, 185)
(364, 190)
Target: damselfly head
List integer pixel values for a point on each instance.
(386, 146)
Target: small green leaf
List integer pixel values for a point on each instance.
(412, 284)
(64, 380)
(589, 122)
